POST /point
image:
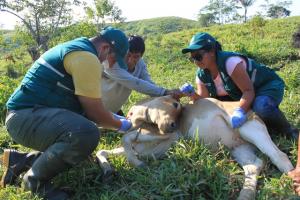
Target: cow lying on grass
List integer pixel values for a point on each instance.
(206, 119)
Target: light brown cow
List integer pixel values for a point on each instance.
(209, 120)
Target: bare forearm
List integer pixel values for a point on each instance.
(243, 82)
(96, 112)
(196, 96)
(105, 119)
(202, 92)
(298, 154)
(246, 100)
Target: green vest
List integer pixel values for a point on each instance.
(47, 83)
(265, 80)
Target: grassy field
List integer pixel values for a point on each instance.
(189, 170)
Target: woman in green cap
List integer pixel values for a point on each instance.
(230, 76)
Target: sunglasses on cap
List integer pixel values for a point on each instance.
(197, 57)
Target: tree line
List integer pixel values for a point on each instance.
(227, 11)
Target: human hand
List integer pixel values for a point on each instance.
(125, 125)
(175, 93)
(295, 175)
(187, 89)
(118, 117)
(238, 117)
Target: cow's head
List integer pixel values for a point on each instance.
(162, 111)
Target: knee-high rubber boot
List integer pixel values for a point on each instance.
(15, 163)
(280, 124)
(71, 148)
(38, 178)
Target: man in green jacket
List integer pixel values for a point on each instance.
(57, 108)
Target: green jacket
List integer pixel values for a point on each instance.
(265, 80)
(47, 83)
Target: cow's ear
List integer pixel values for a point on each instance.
(138, 115)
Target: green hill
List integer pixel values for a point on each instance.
(145, 28)
(158, 25)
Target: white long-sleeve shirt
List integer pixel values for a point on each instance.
(118, 83)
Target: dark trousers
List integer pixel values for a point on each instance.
(64, 137)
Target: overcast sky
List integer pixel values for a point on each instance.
(144, 9)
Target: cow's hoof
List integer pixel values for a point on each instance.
(109, 175)
(247, 194)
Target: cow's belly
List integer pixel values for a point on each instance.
(211, 130)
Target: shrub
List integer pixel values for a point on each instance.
(7, 86)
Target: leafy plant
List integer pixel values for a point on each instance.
(7, 86)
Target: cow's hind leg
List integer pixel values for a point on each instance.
(101, 156)
(245, 156)
(256, 133)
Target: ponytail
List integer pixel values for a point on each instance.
(218, 46)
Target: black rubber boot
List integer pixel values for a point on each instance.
(38, 178)
(16, 163)
(280, 124)
(76, 141)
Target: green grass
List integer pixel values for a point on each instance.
(189, 170)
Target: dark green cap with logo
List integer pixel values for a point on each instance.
(119, 41)
(198, 41)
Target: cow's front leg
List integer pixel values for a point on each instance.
(102, 156)
(252, 165)
(140, 138)
(127, 141)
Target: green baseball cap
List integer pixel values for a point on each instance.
(119, 41)
(198, 41)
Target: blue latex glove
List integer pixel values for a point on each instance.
(118, 117)
(187, 89)
(125, 126)
(238, 117)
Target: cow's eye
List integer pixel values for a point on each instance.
(175, 105)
